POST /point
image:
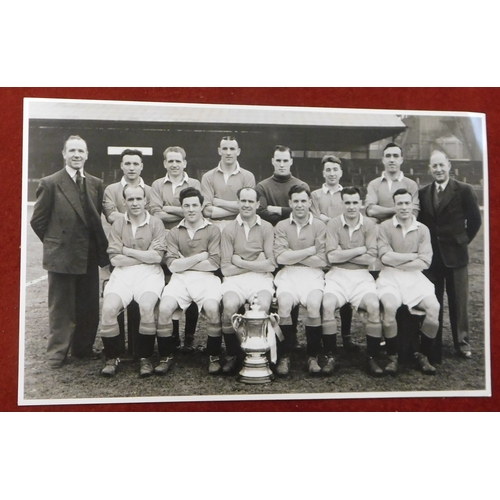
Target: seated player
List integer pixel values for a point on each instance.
(404, 247)
(299, 246)
(247, 263)
(136, 247)
(193, 255)
(351, 246)
(166, 206)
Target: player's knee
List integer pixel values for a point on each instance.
(313, 308)
(231, 304)
(211, 308)
(285, 304)
(110, 311)
(265, 299)
(432, 310)
(390, 310)
(329, 305)
(166, 310)
(147, 308)
(373, 309)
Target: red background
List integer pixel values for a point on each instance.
(485, 100)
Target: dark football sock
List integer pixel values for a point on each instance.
(313, 336)
(166, 346)
(111, 347)
(391, 346)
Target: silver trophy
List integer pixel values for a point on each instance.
(257, 333)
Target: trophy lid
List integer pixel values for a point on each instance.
(255, 309)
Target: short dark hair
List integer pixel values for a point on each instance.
(190, 192)
(174, 149)
(74, 138)
(393, 145)
(131, 152)
(298, 188)
(248, 187)
(282, 149)
(229, 138)
(330, 159)
(400, 192)
(350, 190)
(127, 186)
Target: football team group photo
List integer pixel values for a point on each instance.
(183, 252)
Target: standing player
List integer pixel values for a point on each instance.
(247, 263)
(299, 246)
(453, 218)
(327, 200)
(193, 255)
(379, 203)
(326, 205)
(351, 246)
(220, 185)
(404, 247)
(165, 192)
(67, 220)
(136, 245)
(113, 204)
(166, 206)
(273, 191)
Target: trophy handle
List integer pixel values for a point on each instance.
(239, 327)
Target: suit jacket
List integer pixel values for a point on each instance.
(61, 224)
(454, 224)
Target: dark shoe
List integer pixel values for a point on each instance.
(188, 346)
(374, 369)
(230, 366)
(313, 366)
(111, 367)
(329, 367)
(349, 345)
(283, 366)
(214, 366)
(392, 367)
(55, 364)
(164, 366)
(146, 369)
(464, 350)
(424, 365)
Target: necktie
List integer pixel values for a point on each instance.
(81, 188)
(79, 180)
(439, 196)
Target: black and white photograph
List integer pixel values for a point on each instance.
(202, 252)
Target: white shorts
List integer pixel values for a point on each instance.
(193, 286)
(409, 287)
(247, 285)
(349, 285)
(130, 282)
(299, 282)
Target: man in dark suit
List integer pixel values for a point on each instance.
(451, 212)
(66, 218)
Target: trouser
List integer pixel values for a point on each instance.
(456, 281)
(73, 313)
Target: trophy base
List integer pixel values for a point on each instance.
(256, 380)
(255, 371)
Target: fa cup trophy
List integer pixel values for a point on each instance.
(257, 332)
